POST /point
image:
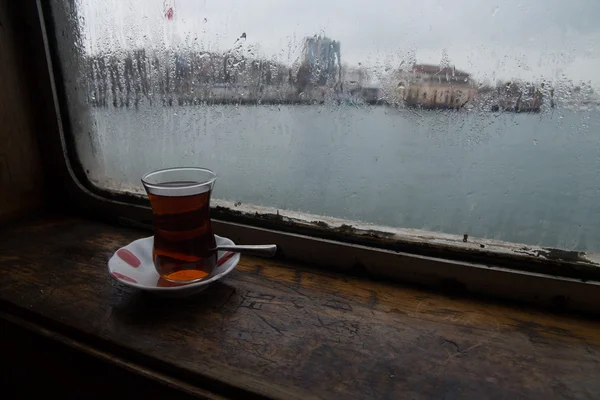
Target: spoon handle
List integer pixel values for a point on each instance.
(261, 250)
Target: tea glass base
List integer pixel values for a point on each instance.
(185, 282)
(194, 272)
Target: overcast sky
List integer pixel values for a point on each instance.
(493, 40)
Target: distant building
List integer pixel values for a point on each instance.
(357, 85)
(515, 96)
(321, 57)
(433, 86)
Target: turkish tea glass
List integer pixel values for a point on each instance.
(184, 244)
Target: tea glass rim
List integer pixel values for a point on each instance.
(175, 189)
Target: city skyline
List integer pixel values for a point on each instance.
(529, 41)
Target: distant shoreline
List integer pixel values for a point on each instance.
(305, 102)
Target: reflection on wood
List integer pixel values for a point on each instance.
(276, 329)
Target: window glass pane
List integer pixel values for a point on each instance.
(477, 117)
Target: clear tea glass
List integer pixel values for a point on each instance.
(184, 243)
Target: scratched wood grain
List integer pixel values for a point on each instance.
(284, 331)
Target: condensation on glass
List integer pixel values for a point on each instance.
(478, 118)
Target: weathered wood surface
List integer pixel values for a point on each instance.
(279, 330)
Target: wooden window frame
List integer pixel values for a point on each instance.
(558, 278)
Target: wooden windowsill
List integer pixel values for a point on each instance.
(280, 330)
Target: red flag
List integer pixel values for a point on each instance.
(168, 9)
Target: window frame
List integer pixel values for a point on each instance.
(545, 276)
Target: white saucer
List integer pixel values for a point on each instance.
(132, 265)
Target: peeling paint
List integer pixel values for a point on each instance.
(493, 253)
(346, 229)
(556, 262)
